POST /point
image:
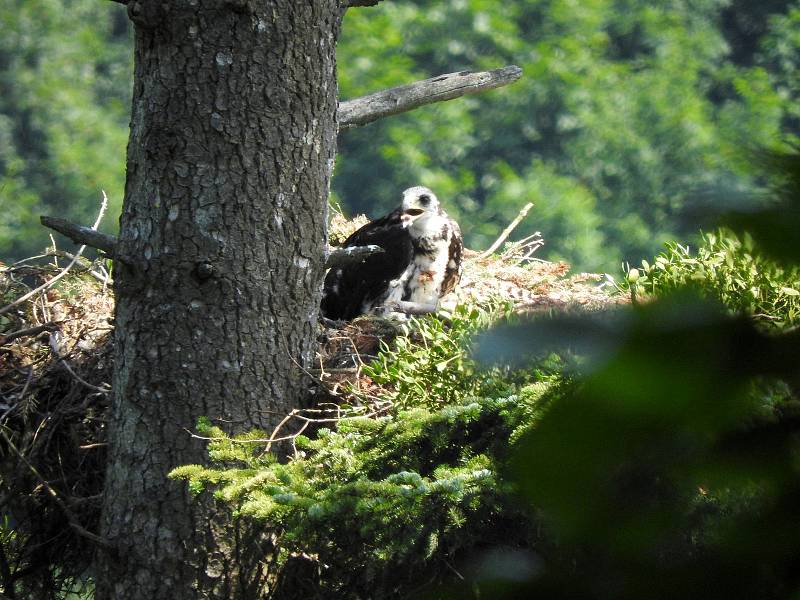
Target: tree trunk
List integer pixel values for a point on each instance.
(217, 270)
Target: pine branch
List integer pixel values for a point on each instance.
(372, 107)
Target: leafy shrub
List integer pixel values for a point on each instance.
(728, 269)
(670, 468)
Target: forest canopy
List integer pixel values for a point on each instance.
(630, 115)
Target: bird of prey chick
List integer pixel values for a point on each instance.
(420, 262)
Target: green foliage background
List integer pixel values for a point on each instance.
(65, 78)
(628, 112)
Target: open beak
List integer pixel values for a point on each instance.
(409, 215)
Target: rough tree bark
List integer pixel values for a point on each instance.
(217, 269)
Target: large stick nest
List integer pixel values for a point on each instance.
(55, 382)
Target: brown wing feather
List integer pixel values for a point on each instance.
(347, 289)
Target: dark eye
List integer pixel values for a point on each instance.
(424, 199)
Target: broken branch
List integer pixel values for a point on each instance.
(343, 257)
(412, 308)
(30, 331)
(81, 234)
(369, 108)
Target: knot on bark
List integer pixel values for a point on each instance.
(204, 270)
(147, 13)
(240, 6)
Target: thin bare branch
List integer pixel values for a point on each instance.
(521, 251)
(507, 231)
(101, 275)
(71, 518)
(366, 109)
(294, 414)
(65, 364)
(30, 331)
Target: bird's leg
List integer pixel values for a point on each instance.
(411, 308)
(331, 323)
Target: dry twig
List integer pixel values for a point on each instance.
(507, 231)
(29, 331)
(298, 414)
